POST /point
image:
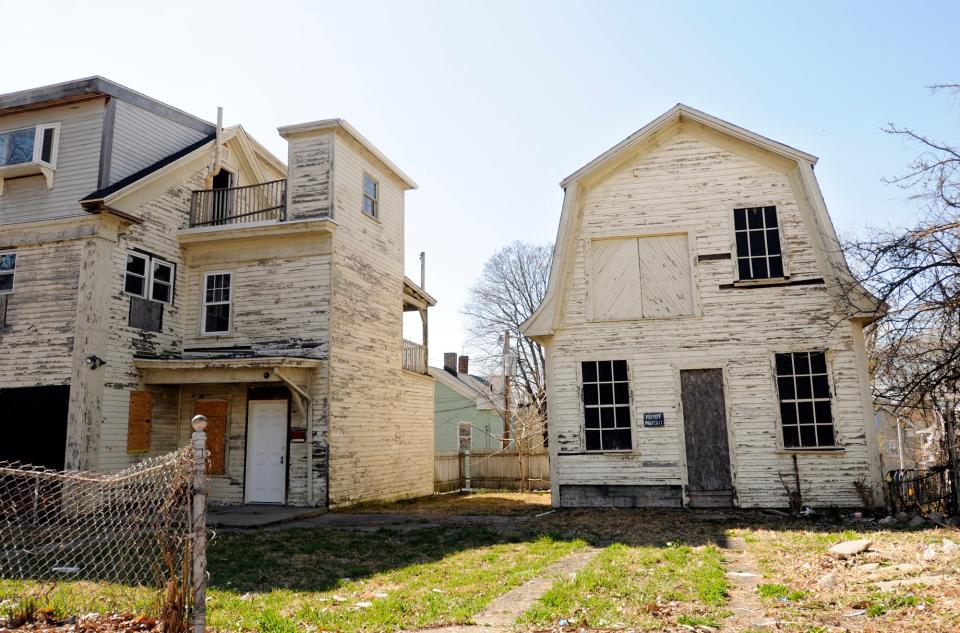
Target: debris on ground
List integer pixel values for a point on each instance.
(846, 549)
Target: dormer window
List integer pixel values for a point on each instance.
(29, 151)
(371, 197)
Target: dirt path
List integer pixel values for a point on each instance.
(500, 615)
(743, 574)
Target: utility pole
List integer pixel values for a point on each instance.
(506, 388)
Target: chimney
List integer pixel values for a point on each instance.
(450, 362)
(464, 365)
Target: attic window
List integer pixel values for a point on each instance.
(758, 243)
(29, 151)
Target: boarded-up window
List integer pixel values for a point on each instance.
(139, 422)
(641, 278)
(216, 413)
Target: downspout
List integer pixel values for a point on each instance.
(218, 143)
(309, 415)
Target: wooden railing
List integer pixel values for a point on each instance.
(414, 357)
(252, 203)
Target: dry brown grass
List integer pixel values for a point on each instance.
(792, 562)
(499, 503)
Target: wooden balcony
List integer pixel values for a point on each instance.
(237, 205)
(414, 357)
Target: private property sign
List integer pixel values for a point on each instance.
(653, 419)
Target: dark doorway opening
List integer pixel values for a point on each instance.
(222, 196)
(33, 421)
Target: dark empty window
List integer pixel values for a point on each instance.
(135, 280)
(8, 269)
(758, 243)
(46, 149)
(804, 390)
(216, 303)
(606, 405)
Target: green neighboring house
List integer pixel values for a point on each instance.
(462, 397)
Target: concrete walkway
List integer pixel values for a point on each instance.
(500, 615)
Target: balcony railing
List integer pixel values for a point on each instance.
(414, 357)
(252, 203)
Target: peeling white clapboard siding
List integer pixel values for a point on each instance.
(688, 185)
(381, 432)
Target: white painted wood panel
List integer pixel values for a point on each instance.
(615, 281)
(665, 276)
(141, 138)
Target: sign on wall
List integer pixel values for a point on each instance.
(653, 419)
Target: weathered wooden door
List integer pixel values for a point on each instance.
(266, 472)
(709, 482)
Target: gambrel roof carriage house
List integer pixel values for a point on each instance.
(702, 328)
(154, 266)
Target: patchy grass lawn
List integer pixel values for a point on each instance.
(491, 502)
(367, 581)
(806, 589)
(638, 587)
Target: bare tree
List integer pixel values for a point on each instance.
(915, 350)
(511, 287)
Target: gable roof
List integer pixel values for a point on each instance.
(342, 124)
(104, 197)
(472, 387)
(547, 316)
(681, 111)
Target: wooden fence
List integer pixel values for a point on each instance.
(492, 469)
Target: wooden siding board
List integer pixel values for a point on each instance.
(687, 182)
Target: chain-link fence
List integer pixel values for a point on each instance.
(74, 543)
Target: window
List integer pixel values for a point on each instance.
(758, 243)
(162, 277)
(216, 303)
(371, 197)
(135, 280)
(150, 278)
(20, 147)
(8, 269)
(804, 390)
(606, 405)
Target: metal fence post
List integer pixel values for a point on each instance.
(199, 550)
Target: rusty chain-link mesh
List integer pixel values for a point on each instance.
(78, 542)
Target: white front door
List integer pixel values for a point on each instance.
(266, 473)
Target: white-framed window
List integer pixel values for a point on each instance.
(803, 386)
(149, 277)
(757, 235)
(8, 270)
(606, 405)
(162, 278)
(371, 196)
(217, 297)
(136, 276)
(36, 144)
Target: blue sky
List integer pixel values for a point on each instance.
(487, 105)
